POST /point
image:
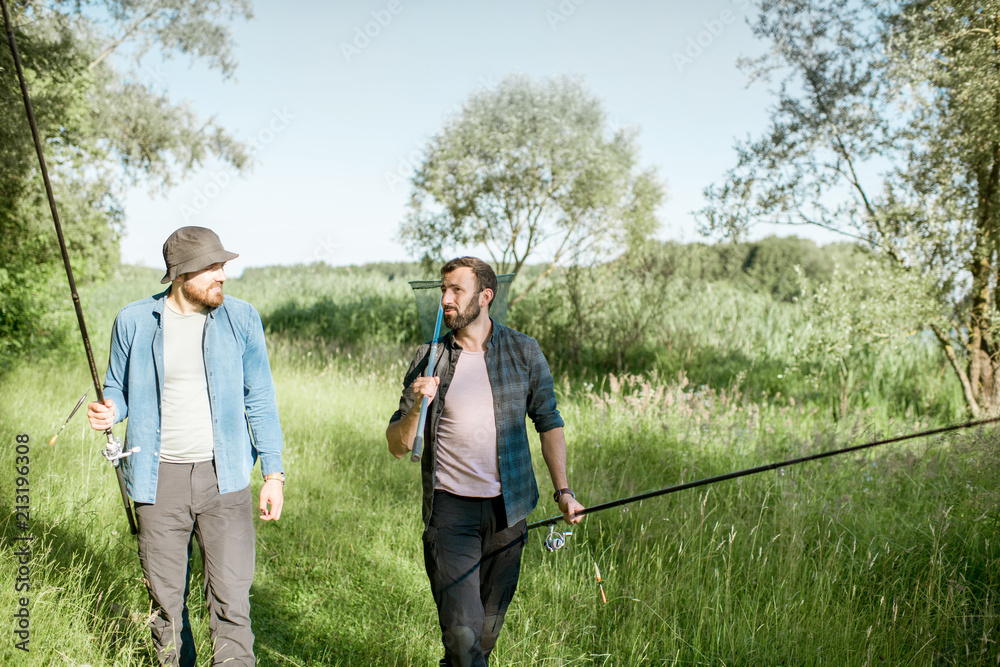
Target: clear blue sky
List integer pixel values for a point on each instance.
(333, 131)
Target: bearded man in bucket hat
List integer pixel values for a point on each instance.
(188, 367)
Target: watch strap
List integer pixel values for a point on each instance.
(560, 492)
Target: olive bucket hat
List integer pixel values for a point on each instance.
(192, 249)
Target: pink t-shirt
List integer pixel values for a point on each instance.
(467, 463)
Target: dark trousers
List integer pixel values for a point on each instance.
(188, 504)
(473, 560)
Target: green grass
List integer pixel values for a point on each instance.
(885, 558)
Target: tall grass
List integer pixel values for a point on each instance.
(722, 335)
(873, 559)
(889, 557)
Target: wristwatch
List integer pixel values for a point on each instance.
(555, 496)
(280, 476)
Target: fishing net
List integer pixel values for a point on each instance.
(428, 296)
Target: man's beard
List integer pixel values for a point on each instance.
(463, 318)
(202, 297)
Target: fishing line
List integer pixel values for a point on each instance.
(750, 471)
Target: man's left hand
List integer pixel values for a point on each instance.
(570, 509)
(271, 499)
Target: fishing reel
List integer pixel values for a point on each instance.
(114, 452)
(555, 539)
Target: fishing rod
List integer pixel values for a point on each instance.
(418, 441)
(78, 404)
(743, 473)
(113, 451)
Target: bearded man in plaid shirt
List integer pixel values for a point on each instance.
(478, 483)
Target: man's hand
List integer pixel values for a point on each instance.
(554, 453)
(400, 434)
(101, 416)
(424, 386)
(272, 497)
(569, 507)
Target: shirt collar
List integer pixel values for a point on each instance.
(452, 344)
(160, 302)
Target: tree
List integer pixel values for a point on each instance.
(887, 129)
(103, 129)
(526, 168)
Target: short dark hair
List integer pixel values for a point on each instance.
(486, 277)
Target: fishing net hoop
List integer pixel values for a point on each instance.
(427, 294)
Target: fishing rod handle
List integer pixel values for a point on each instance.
(418, 441)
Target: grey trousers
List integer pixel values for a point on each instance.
(188, 504)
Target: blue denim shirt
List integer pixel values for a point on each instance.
(522, 386)
(240, 390)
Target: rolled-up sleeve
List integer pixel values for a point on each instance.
(542, 408)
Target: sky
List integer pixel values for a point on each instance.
(336, 101)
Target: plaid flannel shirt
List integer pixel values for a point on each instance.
(522, 386)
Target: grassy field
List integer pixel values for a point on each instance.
(886, 558)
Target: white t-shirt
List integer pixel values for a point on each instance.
(185, 414)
